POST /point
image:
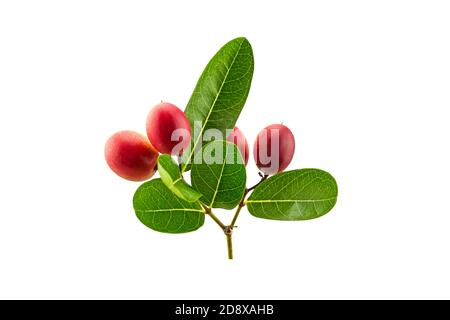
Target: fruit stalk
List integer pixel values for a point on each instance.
(242, 203)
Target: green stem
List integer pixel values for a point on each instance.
(209, 212)
(230, 246)
(236, 215)
(228, 230)
(213, 216)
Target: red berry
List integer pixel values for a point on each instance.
(168, 129)
(238, 138)
(274, 148)
(131, 156)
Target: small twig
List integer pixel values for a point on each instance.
(209, 212)
(236, 215)
(228, 230)
(242, 203)
(179, 162)
(263, 177)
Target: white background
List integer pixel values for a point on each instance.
(364, 86)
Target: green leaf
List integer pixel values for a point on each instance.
(172, 178)
(159, 209)
(220, 176)
(294, 195)
(220, 93)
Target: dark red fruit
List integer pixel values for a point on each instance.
(238, 138)
(274, 148)
(168, 129)
(131, 156)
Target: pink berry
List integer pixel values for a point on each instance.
(168, 129)
(274, 148)
(238, 138)
(131, 156)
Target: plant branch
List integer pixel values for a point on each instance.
(229, 245)
(263, 177)
(242, 203)
(236, 215)
(228, 230)
(209, 212)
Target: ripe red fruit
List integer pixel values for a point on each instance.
(238, 138)
(274, 148)
(168, 129)
(131, 156)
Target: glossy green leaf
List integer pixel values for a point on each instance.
(220, 93)
(172, 178)
(220, 176)
(294, 195)
(161, 210)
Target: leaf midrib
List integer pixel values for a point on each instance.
(165, 210)
(177, 180)
(218, 181)
(212, 107)
(288, 200)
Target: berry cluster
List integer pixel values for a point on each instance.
(133, 157)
